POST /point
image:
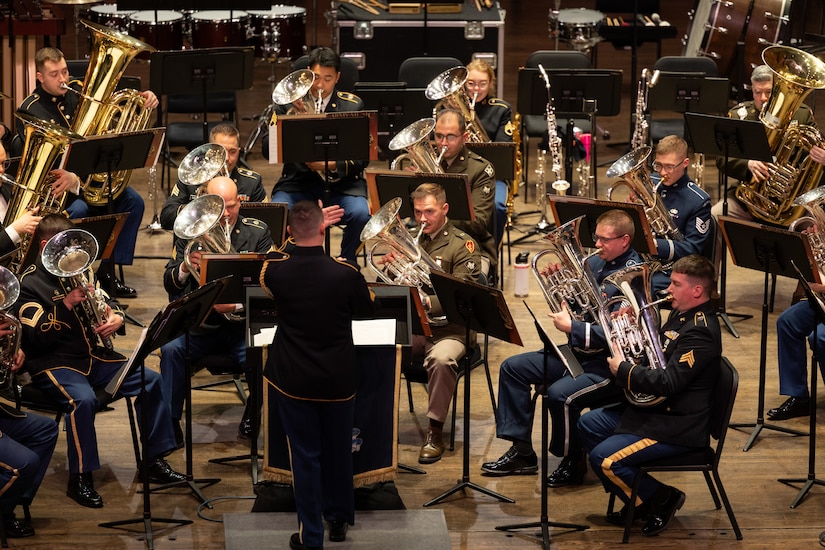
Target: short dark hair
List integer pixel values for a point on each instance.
(51, 225)
(325, 57)
(46, 54)
(696, 267)
(304, 219)
(225, 129)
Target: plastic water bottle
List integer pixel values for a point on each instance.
(521, 276)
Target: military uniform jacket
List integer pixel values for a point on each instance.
(482, 178)
(457, 254)
(738, 168)
(496, 117)
(312, 356)
(586, 338)
(689, 206)
(58, 110)
(53, 335)
(692, 345)
(348, 176)
(250, 189)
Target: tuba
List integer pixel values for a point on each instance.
(448, 90)
(199, 222)
(633, 168)
(294, 86)
(415, 140)
(793, 172)
(635, 333)
(202, 164)
(10, 343)
(101, 110)
(68, 255)
(573, 283)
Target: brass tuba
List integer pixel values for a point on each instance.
(10, 343)
(448, 90)
(199, 222)
(68, 255)
(793, 172)
(294, 86)
(415, 140)
(101, 110)
(636, 333)
(573, 283)
(633, 168)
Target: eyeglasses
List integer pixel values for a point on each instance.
(448, 137)
(482, 84)
(659, 167)
(6, 164)
(606, 240)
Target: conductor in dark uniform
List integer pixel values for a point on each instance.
(218, 335)
(305, 181)
(249, 183)
(620, 440)
(313, 369)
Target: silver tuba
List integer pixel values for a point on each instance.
(415, 140)
(448, 89)
(202, 164)
(10, 343)
(635, 332)
(68, 255)
(633, 168)
(573, 282)
(199, 222)
(294, 86)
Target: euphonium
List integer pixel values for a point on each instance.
(202, 164)
(793, 172)
(68, 255)
(199, 222)
(448, 90)
(636, 331)
(415, 140)
(573, 283)
(813, 201)
(10, 343)
(294, 86)
(633, 168)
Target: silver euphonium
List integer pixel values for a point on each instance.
(635, 331)
(813, 201)
(294, 86)
(572, 281)
(202, 164)
(10, 343)
(448, 90)
(202, 223)
(68, 255)
(632, 167)
(415, 140)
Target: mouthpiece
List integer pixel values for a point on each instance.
(441, 154)
(473, 102)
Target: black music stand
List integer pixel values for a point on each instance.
(772, 251)
(176, 318)
(575, 369)
(324, 137)
(727, 137)
(694, 92)
(385, 185)
(819, 314)
(483, 309)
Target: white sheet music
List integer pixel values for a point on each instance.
(368, 332)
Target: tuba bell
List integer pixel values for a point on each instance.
(199, 222)
(635, 332)
(415, 140)
(10, 343)
(633, 168)
(202, 164)
(795, 74)
(294, 86)
(448, 90)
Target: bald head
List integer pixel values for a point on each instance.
(228, 191)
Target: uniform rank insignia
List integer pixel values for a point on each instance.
(688, 358)
(489, 170)
(742, 112)
(470, 246)
(471, 265)
(486, 189)
(702, 226)
(508, 128)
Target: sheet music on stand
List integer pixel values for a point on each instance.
(564, 353)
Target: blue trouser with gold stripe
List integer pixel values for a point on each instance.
(616, 457)
(26, 447)
(76, 390)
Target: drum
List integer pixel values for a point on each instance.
(576, 26)
(279, 32)
(109, 16)
(165, 33)
(768, 25)
(217, 28)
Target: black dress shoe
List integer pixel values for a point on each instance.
(295, 544)
(791, 408)
(121, 290)
(15, 528)
(571, 471)
(661, 514)
(511, 463)
(618, 518)
(245, 426)
(159, 471)
(338, 531)
(81, 490)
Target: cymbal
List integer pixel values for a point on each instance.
(72, 2)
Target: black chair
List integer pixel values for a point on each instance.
(418, 72)
(221, 365)
(349, 71)
(704, 460)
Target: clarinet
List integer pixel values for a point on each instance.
(553, 142)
